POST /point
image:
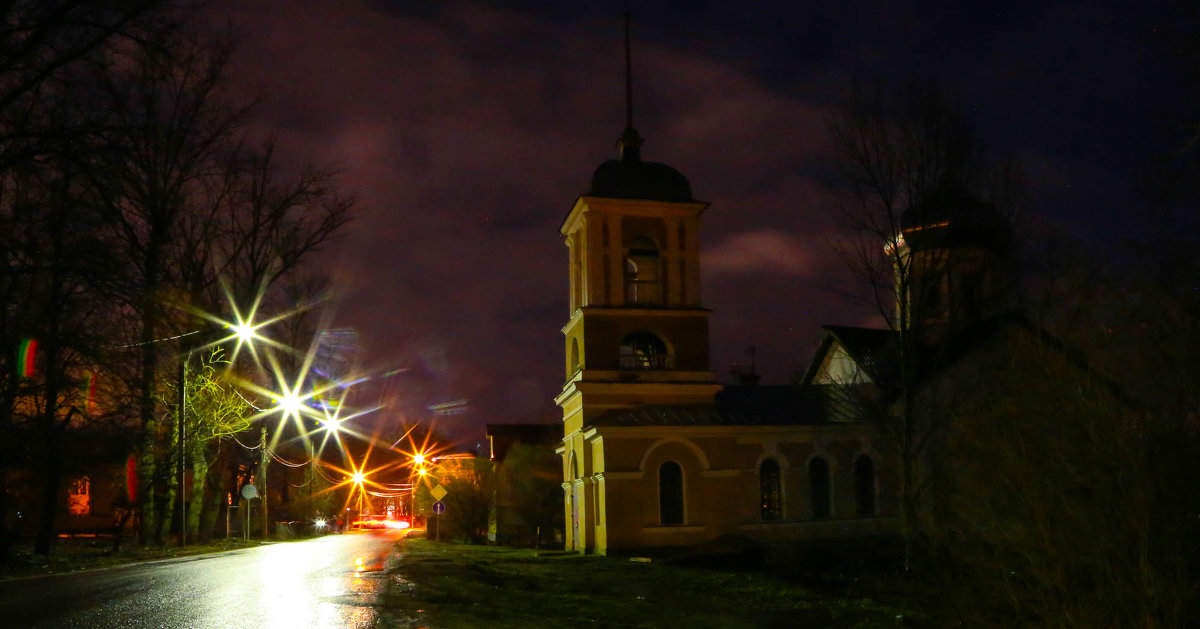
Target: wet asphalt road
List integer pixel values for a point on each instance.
(331, 581)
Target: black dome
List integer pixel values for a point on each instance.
(631, 178)
(620, 179)
(951, 218)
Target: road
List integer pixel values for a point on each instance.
(331, 581)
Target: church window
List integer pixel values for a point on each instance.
(643, 350)
(818, 487)
(769, 482)
(864, 485)
(643, 274)
(670, 493)
(575, 366)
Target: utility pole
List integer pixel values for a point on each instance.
(262, 474)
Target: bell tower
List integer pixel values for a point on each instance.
(955, 250)
(637, 333)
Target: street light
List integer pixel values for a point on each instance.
(358, 477)
(245, 332)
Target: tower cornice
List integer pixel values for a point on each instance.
(629, 207)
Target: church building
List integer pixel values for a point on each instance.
(655, 451)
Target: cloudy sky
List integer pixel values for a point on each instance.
(468, 129)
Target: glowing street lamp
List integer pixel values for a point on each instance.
(245, 332)
(290, 404)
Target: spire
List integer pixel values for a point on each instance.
(630, 142)
(628, 76)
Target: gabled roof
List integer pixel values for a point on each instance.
(872, 349)
(875, 351)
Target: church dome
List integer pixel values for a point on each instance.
(631, 178)
(951, 218)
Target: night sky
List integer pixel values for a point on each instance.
(468, 130)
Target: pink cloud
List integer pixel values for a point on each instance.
(762, 251)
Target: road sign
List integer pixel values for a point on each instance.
(249, 491)
(439, 507)
(438, 492)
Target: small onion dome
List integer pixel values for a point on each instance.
(631, 178)
(951, 218)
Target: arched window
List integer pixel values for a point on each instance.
(864, 485)
(769, 484)
(643, 272)
(643, 350)
(670, 493)
(818, 487)
(575, 366)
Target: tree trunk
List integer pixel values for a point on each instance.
(145, 491)
(199, 483)
(50, 488)
(214, 496)
(53, 452)
(148, 472)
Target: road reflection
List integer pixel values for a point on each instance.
(329, 582)
(343, 592)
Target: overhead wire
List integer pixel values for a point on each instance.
(239, 442)
(162, 340)
(283, 461)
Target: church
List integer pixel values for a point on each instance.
(655, 451)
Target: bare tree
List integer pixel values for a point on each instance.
(191, 206)
(911, 168)
(43, 45)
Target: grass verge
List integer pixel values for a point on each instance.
(72, 554)
(451, 586)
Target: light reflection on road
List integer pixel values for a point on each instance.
(330, 582)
